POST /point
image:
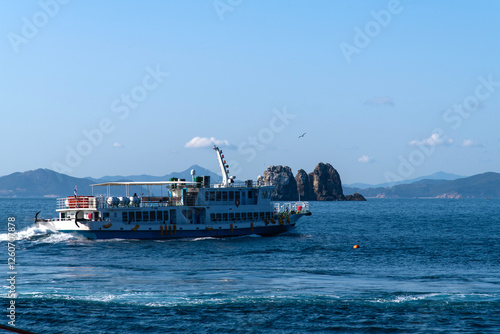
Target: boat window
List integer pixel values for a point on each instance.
(255, 215)
(237, 195)
(218, 196)
(159, 215)
(231, 216)
(224, 217)
(268, 215)
(124, 216)
(212, 217)
(243, 216)
(231, 196)
(212, 196)
(165, 215)
(261, 214)
(145, 216)
(152, 215)
(188, 214)
(224, 196)
(237, 216)
(219, 217)
(250, 194)
(138, 216)
(131, 216)
(105, 215)
(206, 196)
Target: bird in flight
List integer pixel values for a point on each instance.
(302, 135)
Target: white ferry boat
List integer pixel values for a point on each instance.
(183, 209)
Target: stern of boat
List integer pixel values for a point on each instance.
(291, 211)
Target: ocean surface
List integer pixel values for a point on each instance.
(423, 266)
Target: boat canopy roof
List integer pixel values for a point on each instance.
(152, 183)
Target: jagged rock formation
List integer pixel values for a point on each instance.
(326, 183)
(323, 184)
(304, 187)
(282, 178)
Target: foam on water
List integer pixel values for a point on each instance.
(58, 237)
(41, 234)
(202, 238)
(443, 297)
(28, 233)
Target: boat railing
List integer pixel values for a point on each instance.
(77, 202)
(93, 203)
(243, 184)
(289, 207)
(171, 201)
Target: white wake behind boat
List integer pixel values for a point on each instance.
(188, 209)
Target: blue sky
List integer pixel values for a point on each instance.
(384, 90)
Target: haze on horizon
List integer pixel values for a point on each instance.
(383, 90)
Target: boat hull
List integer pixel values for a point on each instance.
(159, 231)
(178, 234)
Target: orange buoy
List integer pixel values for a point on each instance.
(355, 246)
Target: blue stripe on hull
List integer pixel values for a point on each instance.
(219, 233)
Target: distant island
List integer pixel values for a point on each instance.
(486, 185)
(48, 183)
(322, 184)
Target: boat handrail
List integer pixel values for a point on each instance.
(299, 206)
(242, 184)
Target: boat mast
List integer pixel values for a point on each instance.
(223, 166)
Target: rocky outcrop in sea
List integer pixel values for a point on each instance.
(326, 183)
(322, 184)
(282, 178)
(355, 197)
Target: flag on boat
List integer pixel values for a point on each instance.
(75, 190)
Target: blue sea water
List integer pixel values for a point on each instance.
(423, 266)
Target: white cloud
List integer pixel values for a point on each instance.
(380, 101)
(434, 140)
(199, 142)
(364, 159)
(471, 143)
(117, 144)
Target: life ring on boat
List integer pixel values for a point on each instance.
(237, 202)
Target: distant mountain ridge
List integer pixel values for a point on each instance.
(48, 183)
(186, 174)
(42, 183)
(435, 176)
(485, 185)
